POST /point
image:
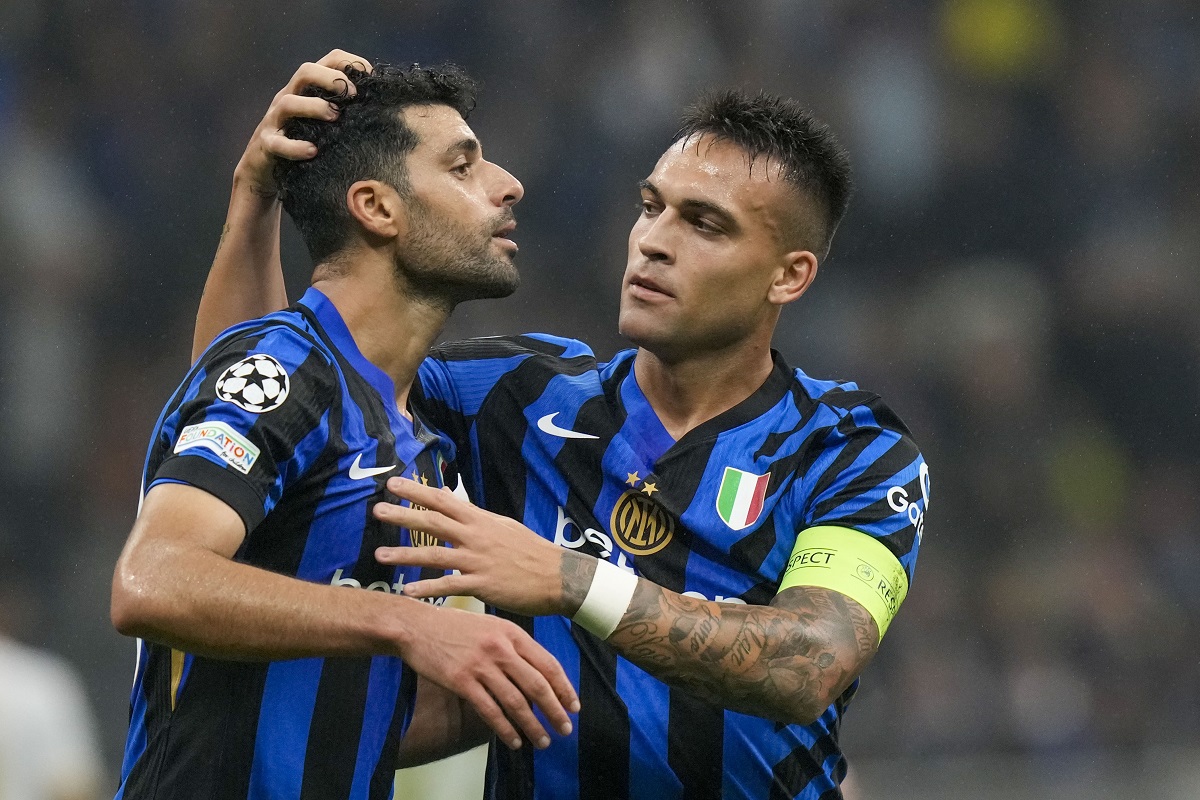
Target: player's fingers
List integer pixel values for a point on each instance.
(430, 497)
(439, 557)
(489, 711)
(517, 707)
(541, 660)
(537, 688)
(341, 58)
(445, 586)
(291, 106)
(321, 76)
(280, 146)
(419, 519)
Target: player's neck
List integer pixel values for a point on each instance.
(393, 331)
(688, 392)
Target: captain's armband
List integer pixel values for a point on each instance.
(851, 563)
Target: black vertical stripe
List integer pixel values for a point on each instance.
(695, 745)
(511, 772)
(603, 722)
(144, 778)
(334, 734)
(695, 729)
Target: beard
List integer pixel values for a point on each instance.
(446, 263)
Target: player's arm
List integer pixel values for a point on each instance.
(176, 583)
(442, 726)
(246, 277)
(787, 661)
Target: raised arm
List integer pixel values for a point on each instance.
(246, 277)
(787, 661)
(176, 583)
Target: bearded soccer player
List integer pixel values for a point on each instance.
(710, 541)
(265, 667)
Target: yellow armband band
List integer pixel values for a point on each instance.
(852, 563)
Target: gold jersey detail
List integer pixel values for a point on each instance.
(640, 525)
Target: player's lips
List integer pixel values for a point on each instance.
(504, 232)
(647, 288)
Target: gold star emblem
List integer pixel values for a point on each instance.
(424, 480)
(416, 476)
(649, 488)
(633, 479)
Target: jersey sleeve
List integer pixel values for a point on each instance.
(871, 477)
(251, 419)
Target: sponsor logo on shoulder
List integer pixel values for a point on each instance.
(546, 425)
(897, 498)
(258, 383)
(217, 437)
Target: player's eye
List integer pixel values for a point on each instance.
(647, 207)
(462, 170)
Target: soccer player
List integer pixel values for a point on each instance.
(710, 541)
(277, 658)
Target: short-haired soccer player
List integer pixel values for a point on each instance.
(710, 541)
(260, 674)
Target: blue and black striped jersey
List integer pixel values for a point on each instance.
(545, 434)
(286, 421)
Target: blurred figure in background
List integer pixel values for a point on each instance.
(48, 748)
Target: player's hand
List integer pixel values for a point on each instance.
(268, 142)
(497, 668)
(501, 562)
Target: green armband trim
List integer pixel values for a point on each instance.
(852, 563)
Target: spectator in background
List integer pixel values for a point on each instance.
(47, 731)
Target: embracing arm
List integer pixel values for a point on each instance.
(246, 277)
(176, 583)
(787, 661)
(442, 726)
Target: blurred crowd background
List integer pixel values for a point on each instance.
(1018, 276)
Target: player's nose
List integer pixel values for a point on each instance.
(507, 190)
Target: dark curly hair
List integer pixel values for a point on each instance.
(368, 141)
(805, 151)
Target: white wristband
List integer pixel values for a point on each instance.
(607, 599)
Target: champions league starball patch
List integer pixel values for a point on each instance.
(258, 383)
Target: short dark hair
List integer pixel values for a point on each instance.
(368, 141)
(808, 155)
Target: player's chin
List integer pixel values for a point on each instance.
(499, 279)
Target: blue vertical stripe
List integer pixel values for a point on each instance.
(557, 767)
(283, 721)
(650, 777)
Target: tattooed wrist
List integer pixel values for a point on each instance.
(577, 571)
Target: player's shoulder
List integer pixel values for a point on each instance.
(544, 346)
(844, 400)
(285, 337)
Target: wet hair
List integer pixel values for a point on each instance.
(802, 148)
(367, 141)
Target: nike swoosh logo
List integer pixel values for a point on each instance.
(357, 473)
(546, 425)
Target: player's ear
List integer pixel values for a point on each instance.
(379, 208)
(795, 274)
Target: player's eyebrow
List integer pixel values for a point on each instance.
(468, 145)
(689, 207)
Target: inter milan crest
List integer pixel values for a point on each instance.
(422, 538)
(640, 525)
(258, 383)
(740, 498)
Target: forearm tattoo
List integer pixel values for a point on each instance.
(786, 661)
(577, 572)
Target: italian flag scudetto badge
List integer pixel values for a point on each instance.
(740, 499)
